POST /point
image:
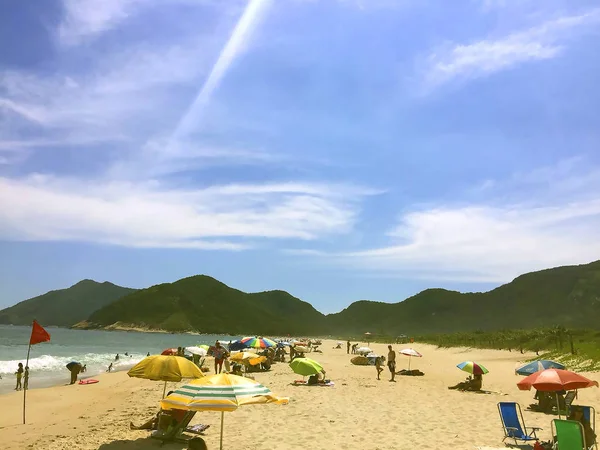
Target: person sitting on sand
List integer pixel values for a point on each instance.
(152, 424)
(470, 384)
(588, 432)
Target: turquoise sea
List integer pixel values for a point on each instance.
(97, 349)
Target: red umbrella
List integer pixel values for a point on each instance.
(555, 380)
(169, 351)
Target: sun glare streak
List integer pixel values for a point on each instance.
(240, 35)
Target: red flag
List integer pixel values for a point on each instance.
(38, 334)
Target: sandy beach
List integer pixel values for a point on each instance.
(360, 412)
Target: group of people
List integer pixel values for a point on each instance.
(22, 377)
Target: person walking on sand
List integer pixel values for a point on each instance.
(378, 366)
(392, 362)
(348, 347)
(26, 378)
(19, 373)
(110, 366)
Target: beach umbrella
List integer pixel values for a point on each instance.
(363, 350)
(221, 392)
(246, 357)
(410, 353)
(551, 380)
(165, 368)
(305, 366)
(169, 351)
(554, 380)
(472, 368)
(258, 342)
(536, 366)
(197, 351)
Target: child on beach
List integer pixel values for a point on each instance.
(26, 378)
(19, 374)
(379, 366)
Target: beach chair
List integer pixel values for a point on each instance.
(513, 423)
(589, 413)
(569, 435)
(175, 433)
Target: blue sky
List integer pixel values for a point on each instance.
(337, 149)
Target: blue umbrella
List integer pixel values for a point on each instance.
(536, 366)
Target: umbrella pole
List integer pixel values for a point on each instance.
(222, 418)
(164, 390)
(409, 358)
(557, 405)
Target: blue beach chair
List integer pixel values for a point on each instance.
(513, 424)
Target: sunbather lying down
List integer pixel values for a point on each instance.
(471, 384)
(413, 372)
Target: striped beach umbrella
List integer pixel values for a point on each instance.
(472, 368)
(221, 392)
(258, 342)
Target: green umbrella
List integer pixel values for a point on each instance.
(305, 366)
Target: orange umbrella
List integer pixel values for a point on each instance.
(555, 380)
(169, 351)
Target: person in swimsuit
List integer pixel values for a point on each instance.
(392, 362)
(220, 354)
(378, 366)
(19, 373)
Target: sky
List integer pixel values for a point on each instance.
(337, 149)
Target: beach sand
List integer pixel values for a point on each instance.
(360, 412)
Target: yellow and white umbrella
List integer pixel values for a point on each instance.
(221, 392)
(165, 368)
(246, 357)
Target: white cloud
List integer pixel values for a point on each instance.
(488, 56)
(86, 18)
(486, 243)
(151, 214)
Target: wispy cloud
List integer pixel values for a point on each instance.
(87, 18)
(151, 214)
(488, 56)
(484, 242)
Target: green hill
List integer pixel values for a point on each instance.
(567, 296)
(64, 307)
(205, 304)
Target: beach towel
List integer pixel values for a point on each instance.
(305, 383)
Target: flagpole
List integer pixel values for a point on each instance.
(26, 386)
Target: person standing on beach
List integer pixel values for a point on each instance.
(219, 353)
(348, 347)
(19, 376)
(26, 378)
(378, 366)
(392, 362)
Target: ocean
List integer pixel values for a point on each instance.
(97, 349)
